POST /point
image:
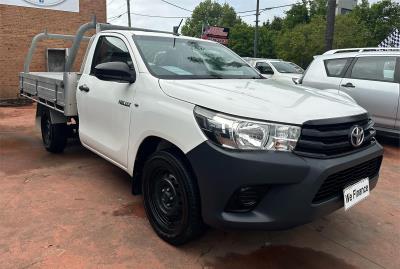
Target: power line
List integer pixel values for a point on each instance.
(157, 16)
(109, 3)
(146, 15)
(183, 17)
(247, 11)
(264, 9)
(116, 17)
(248, 15)
(172, 4)
(269, 8)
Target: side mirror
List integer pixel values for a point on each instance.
(264, 70)
(115, 71)
(297, 81)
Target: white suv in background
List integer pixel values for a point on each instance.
(371, 76)
(276, 69)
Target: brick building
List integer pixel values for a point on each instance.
(19, 24)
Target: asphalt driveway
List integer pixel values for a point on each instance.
(75, 210)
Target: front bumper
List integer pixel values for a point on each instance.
(292, 180)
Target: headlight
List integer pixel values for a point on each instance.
(237, 133)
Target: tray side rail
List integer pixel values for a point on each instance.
(44, 90)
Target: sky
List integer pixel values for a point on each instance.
(159, 8)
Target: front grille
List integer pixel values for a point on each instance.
(327, 140)
(333, 186)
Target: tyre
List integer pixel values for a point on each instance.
(54, 136)
(171, 198)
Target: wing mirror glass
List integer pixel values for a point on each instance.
(265, 70)
(297, 81)
(115, 71)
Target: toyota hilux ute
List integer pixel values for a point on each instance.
(206, 139)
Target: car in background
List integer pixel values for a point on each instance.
(371, 76)
(276, 69)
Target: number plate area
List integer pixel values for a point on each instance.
(355, 193)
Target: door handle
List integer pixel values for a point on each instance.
(348, 85)
(84, 88)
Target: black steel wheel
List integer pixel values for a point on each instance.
(54, 136)
(171, 198)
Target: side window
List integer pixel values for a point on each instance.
(264, 68)
(110, 49)
(336, 67)
(380, 68)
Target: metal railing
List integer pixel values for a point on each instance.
(371, 49)
(77, 39)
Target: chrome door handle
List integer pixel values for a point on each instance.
(348, 85)
(84, 88)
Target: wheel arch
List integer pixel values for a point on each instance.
(55, 116)
(147, 147)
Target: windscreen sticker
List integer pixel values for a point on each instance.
(176, 70)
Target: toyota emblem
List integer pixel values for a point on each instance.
(356, 136)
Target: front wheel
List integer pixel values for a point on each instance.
(171, 198)
(54, 136)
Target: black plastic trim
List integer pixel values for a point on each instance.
(338, 120)
(292, 181)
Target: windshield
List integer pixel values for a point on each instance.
(178, 58)
(287, 67)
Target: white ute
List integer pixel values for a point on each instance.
(206, 138)
(277, 69)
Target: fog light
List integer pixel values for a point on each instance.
(246, 198)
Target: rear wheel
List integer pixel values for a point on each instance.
(171, 198)
(54, 136)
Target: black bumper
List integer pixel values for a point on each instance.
(292, 180)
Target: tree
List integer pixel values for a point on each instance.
(380, 18)
(317, 8)
(300, 35)
(241, 39)
(350, 32)
(302, 42)
(212, 13)
(297, 14)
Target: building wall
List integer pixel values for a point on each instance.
(18, 25)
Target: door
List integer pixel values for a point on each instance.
(105, 106)
(371, 81)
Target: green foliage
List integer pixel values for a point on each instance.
(302, 42)
(301, 33)
(241, 39)
(209, 12)
(298, 14)
(318, 7)
(380, 18)
(351, 32)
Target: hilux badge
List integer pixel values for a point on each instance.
(124, 103)
(356, 136)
